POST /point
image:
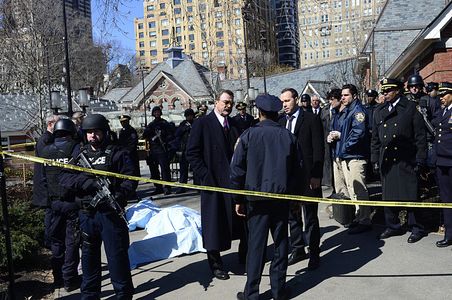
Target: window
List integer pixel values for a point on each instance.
(152, 33)
(162, 5)
(150, 7)
(219, 25)
(191, 46)
(237, 22)
(141, 35)
(219, 34)
(238, 41)
(153, 43)
(178, 21)
(141, 52)
(140, 25)
(204, 45)
(177, 11)
(205, 54)
(153, 52)
(141, 44)
(165, 32)
(220, 53)
(151, 24)
(178, 29)
(165, 42)
(176, 2)
(191, 37)
(164, 22)
(154, 62)
(179, 39)
(218, 14)
(190, 8)
(220, 44)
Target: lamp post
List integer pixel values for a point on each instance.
(142, 69)
(83, 99)
(246, 10)
(66, 59)
(263, 39)
(55, 101)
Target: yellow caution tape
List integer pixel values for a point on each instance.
(22, 145)
(232, 191)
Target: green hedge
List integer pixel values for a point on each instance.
(26, 225)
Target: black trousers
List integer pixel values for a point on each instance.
(311, 236)
(262, 217)
(155, 160)
(444, 175)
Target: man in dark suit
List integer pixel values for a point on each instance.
(315, 105)
(398, 151)
(308, 130)
(209, 152)
(243, 119)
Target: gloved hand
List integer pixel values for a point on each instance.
(376, 168)
(121, 199)
(90, 185)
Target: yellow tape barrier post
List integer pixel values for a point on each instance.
(6, 229)
(231, 191)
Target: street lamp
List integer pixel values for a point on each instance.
(142, 69)
(55, 101)
(83, 99)
(246, 11)
(66, 59)
(263, 40)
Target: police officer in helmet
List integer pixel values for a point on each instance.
(102, 224)
(63, 230)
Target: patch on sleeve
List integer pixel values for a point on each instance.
(360, 117)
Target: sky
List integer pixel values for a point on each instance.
(122, 32)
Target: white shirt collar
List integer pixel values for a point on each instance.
(219, 117)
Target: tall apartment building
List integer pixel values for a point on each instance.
(287, 32)
(332, 30)
(210, 31)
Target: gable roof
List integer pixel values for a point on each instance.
(399, 23)
(116, 94)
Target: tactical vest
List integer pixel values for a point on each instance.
(62, 154)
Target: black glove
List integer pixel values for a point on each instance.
(376, 168)
(90, 185)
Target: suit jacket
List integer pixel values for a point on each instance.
(209, 152)
(309, 134)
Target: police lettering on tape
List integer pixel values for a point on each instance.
(231, 191)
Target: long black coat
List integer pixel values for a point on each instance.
(398, 143)
(40, 193)
(209, 152)
(309, 134)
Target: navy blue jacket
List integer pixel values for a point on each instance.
(265, 159)
(40, 194)
(443, 138)
(354, 141)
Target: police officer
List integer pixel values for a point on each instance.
(305, 102)
(251, 170)
(64, 230)
(443, 151)
(351, 154)
(243, 119)
(371, 103)
(415, 85)
(158, 133)
(181, 140)
(202, 111)
(102, 224)
(398, 150)
(128, 138)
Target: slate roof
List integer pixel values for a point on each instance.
(398, 25)
(339, 73)
(116, 94)
(187, 73)
(19, 112)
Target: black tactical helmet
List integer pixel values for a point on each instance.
(371, 93)
(189, 112)
(95, 121)
(155, 108)
(305, 98)
(65, 125)
(415, 80)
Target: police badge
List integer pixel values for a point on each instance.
(360, 117)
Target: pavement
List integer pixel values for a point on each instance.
(352, 267)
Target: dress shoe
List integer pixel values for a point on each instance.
(220, 274)
(390, 232)
(351, 225)
(415, 237)
(314, 262)
(296, 256)
(240, 296)
(360, 228)
(73, 284)
(443, 243)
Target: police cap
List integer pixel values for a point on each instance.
(95, 121)
(189, 112)
(268, 103)
(123, 118)
(305, 98)
(371, 93)
(431, 86)
(390, 84)
(444, 88)
(65, 125)
(156, 108)
(240, 106)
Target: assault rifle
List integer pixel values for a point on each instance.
(103, 194)
(422, 108)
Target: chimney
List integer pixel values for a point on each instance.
(175, 56)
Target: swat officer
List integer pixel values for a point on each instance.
(305, 102)
(181, 140)
(398, 151)
(128, 138)
(427, 107)
(251, 170)
(102, 224)
(158, 133)
(243, 119)
(64, 221)
(371, 103)
(443, 151)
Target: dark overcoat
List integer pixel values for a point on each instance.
(209, 152)
(398, 143)
(326, 116)
(309, 134)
